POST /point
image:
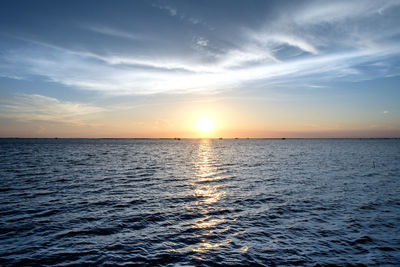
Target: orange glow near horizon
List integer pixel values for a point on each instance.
(221, 118)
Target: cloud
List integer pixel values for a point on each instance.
(386, 111)
(301, 42)
(194, 20)
(273, 39)
(319, 27)
(171, 11)
(113, 32)
(14, 77)
(316, 12)
(201, 41)
(25, 107)
(238, 58)
(316, 86)
(296, 42)
(115, 77)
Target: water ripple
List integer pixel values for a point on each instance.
(199, 202)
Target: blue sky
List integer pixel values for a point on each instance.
(259, 68)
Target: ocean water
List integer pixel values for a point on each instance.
(199, 202)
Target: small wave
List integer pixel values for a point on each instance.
(225, 203)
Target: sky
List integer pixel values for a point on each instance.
(134, 69)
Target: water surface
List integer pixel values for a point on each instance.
(199, 202)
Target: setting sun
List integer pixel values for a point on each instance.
(205, 125)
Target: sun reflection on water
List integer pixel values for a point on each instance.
(205, 246)
(205, 173)
(208, 194)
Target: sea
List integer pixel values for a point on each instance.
(199, 202)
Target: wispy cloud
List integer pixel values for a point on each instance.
(316, 86)
(113, 32)
(24, 107)
(201, 41)
(14, 77)
(275, 39)
(171, 10)
(116, 78)
(316, 12)
(315, 41)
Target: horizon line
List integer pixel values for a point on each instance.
(196, 138)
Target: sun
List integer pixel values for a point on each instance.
(205, 125)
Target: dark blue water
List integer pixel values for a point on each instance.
(199, 202)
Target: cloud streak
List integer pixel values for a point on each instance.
(112, 32)
(291, 46)
(115, 77)
(25, 107)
